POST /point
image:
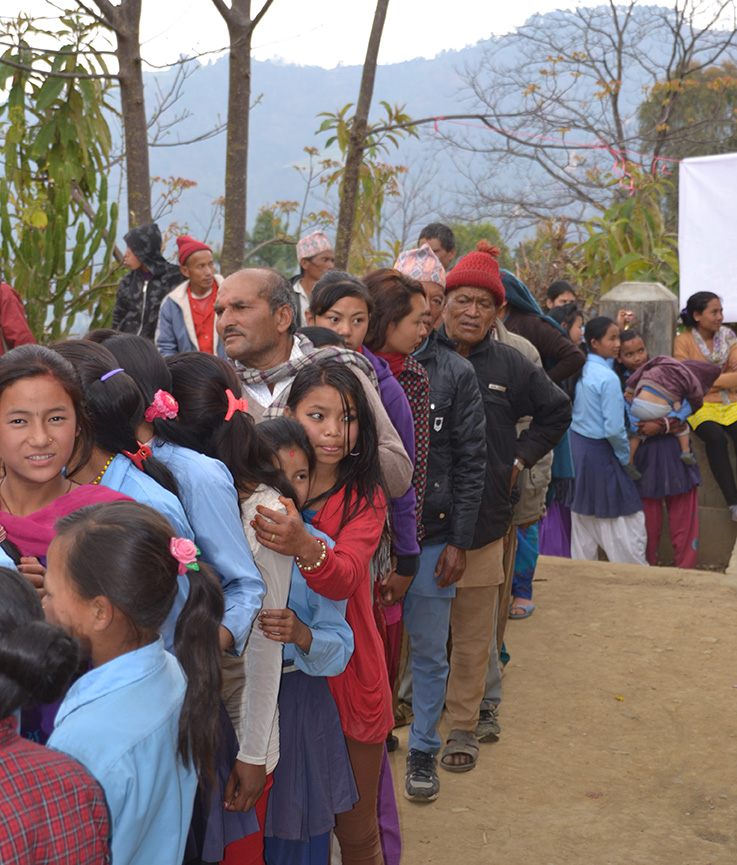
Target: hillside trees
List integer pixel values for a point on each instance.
(563, 99)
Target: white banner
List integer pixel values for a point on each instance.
(707, 229)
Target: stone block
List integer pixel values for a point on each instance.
(655, 308)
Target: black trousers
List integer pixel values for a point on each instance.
(715, 437)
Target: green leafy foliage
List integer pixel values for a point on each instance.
(630, 240)
(377, 178)
(55, 142)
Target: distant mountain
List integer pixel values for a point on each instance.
(285, 121)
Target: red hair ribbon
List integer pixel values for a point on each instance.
(234, 404)
(139, 457)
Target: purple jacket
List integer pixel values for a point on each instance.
(676, 379)
(402, 510)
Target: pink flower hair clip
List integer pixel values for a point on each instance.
(185, 552)
(163, 406)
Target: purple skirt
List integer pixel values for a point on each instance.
(603, 488)
(663, 473)
(313, 780)
(213, 828)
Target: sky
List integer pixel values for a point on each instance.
(324, 32)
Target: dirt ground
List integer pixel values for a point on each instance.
(618, 730)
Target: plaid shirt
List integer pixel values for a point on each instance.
(51, 810)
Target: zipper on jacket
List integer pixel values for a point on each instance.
(143, 305)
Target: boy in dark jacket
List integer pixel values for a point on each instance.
(151, 278)
(455, 482)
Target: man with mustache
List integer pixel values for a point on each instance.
(255, 313)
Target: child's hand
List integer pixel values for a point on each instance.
(284, 626)
(34, 572)
(285, 533)
(629, 395)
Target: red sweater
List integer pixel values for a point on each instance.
(13, 321)
(361, 692)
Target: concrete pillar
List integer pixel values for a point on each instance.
(655, 309)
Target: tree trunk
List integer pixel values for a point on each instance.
(236, 153)
(357, 141)
(125, 21)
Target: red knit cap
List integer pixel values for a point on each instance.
(478, 269)
(187, 245)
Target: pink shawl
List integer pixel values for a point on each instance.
(33, 534)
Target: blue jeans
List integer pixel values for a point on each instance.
(427, 620)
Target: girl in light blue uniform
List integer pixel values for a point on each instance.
(206, 488)
(313, 780)
(142, 723)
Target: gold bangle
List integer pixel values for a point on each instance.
(318, 563)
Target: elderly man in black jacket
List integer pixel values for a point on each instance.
(455, 483)
(511, 387)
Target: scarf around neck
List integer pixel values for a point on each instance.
(309, 354)
(724, 339)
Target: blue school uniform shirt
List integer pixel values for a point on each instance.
(332, 637)
(124, 477)
(210, 500)
(598, 407)
(121, 721)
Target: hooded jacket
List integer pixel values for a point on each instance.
(141, 291)
(457, 455)
(511, 388)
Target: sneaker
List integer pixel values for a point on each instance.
(392, 743)
(403, 714)
(421, 781)
(487, 729)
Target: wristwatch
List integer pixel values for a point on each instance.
(518, 464)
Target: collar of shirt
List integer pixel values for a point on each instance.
(115, 674)
(594, 358)
(262, 394)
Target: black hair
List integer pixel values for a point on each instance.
(31, 361)
(359, 476)
(596, 329)
(320, 336)
(199, 384)
(286, 432)
(101, 334)
(141, 581)
(560, 286)
(333, 286)
(440, 232)
(115, 406)
(697, 303)
(140, 358)
(392, 292)
(629, 334)
(566, 314)
(37, 660)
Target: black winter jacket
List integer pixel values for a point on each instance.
(512, 387)
(140, 292)
(455, 479)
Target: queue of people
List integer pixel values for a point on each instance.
(218, 518)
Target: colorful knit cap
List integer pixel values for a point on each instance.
(421, 264)
(478, 269)
(313, 244)
(187, 245)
